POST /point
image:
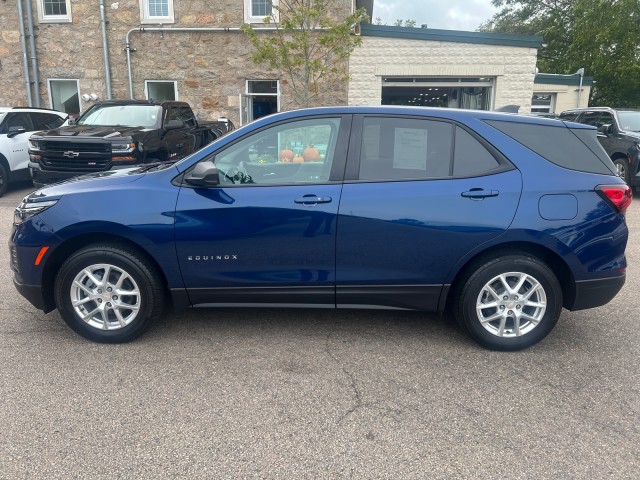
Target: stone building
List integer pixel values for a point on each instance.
(66, 54)
(190, 50)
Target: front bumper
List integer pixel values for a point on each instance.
(34, 294)
(595, 293)
(42, 178)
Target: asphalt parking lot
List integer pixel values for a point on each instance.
(318, 394)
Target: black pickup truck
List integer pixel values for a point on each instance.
(117, 134)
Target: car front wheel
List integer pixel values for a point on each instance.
(509, 303)
(108, 293)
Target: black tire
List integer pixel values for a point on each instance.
(110, 316)
(4, 179)
(512, 329)
(622, 169)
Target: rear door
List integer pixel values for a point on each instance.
(18, 148)
(419, 195)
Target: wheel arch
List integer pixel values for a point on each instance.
(555, 262)
(68, 247)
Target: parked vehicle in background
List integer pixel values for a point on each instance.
(504, 219)
(16, 124)
(119, 134)
(619, 134)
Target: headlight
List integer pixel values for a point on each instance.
(34, 144)
(28, 208)
(122, 147)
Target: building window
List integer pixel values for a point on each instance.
(543, 103)
(64, 96)
(156, 11)
(256, 10)
(54, 11)
(160, 90)
(465, 92)
(262, 98)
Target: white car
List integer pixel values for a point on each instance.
(16, 126)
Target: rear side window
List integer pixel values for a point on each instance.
(405, 148)
(395, 148)
(559, 145)
(471, 158)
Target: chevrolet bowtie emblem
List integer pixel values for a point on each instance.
(71, 154)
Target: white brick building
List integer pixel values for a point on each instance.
(443, 68)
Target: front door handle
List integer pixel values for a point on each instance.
(312, 200)
(479, 193)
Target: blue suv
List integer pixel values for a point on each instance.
(502, 219)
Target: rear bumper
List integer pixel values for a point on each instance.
(594, 293)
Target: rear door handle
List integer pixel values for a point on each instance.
(311, 200)
(479, 193)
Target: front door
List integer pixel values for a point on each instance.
(266, 234)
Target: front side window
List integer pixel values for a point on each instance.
(293, 153)
(46, 121)
(16, 120)
(255, 11)
(156, 11)
(54, 11)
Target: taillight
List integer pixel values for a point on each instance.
(618, 196)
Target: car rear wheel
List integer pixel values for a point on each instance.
(108, 294)
(509, 303)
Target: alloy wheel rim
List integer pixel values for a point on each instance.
(511, 304)
(620, 168)
(105, 297)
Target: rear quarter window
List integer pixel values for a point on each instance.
(560, 145)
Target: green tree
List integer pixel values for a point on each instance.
(310, 46)
(600, 36)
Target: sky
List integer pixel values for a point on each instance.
(445, 14)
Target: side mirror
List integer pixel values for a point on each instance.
(13, 131)
(607, 129)
(174, 125)
(204, 174)
(71, 120)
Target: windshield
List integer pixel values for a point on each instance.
(122, 115)
(629, 121)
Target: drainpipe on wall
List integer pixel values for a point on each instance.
(105, 49)
(128, 48)
(25, 60)
(34, 58)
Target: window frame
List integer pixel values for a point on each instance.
(250, 18)
(175, 89)
(147, 19)
(352, 172)
(44, 18)
(49, 92)
(336, 173)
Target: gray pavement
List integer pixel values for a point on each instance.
(318, 394)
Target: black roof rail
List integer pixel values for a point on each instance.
(36, 108)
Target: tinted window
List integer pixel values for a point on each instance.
(590, 118)
(569, 116)
(404, 148)
(471, 158)
(296, 152)
(46, 121)
(187, 117)
(605, 119)
(17, 119)
(557, 144)
(591, 141)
